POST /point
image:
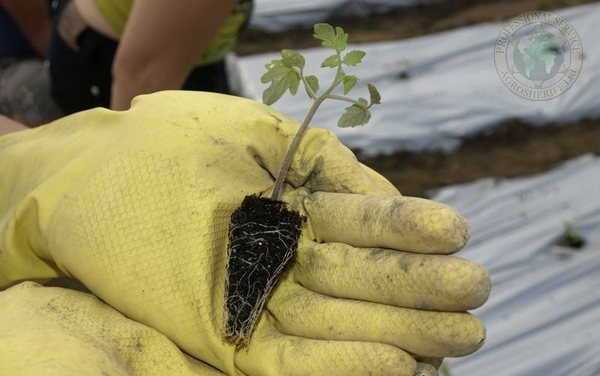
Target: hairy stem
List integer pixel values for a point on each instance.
(287, 162)
(289, 156)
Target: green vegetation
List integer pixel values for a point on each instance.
(287, 73)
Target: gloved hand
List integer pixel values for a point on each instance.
(51, 331)
(136, 205)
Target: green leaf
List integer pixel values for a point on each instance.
(354, 116)
(354, 57)
(274, 63)
(341, 39)
(374, 93)
(330, 37)
(349, 83)
(332, 62)
(293, 81)
(313, 83)
(275, 73)
(292, 58)
(275, 91)
(324, 32)
(363, 102)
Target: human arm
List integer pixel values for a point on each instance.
(33, 18)
(161, 42)
(8, 125)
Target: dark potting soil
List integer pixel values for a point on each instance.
(263, 238)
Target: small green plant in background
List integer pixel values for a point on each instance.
(571, 237)
(287, 73)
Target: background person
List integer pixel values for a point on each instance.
(105, 52)
(8, 125)
(24, 29)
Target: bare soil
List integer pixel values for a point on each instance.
(511, 150)
(403, 23)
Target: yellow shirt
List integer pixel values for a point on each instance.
(116, 13)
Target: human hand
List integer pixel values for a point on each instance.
(136, 205)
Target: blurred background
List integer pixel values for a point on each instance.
(524, 168)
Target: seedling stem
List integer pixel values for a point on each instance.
(289, 156)
(286, 74)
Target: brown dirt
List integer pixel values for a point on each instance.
(513, 149)
(404, 23)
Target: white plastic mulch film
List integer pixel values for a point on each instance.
(543, 315)
(452, 90)
(280, 15)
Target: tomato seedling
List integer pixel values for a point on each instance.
(263, 233)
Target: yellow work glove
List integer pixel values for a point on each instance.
(50, 331)
(136, 205)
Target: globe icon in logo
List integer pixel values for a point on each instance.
(539, 55)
